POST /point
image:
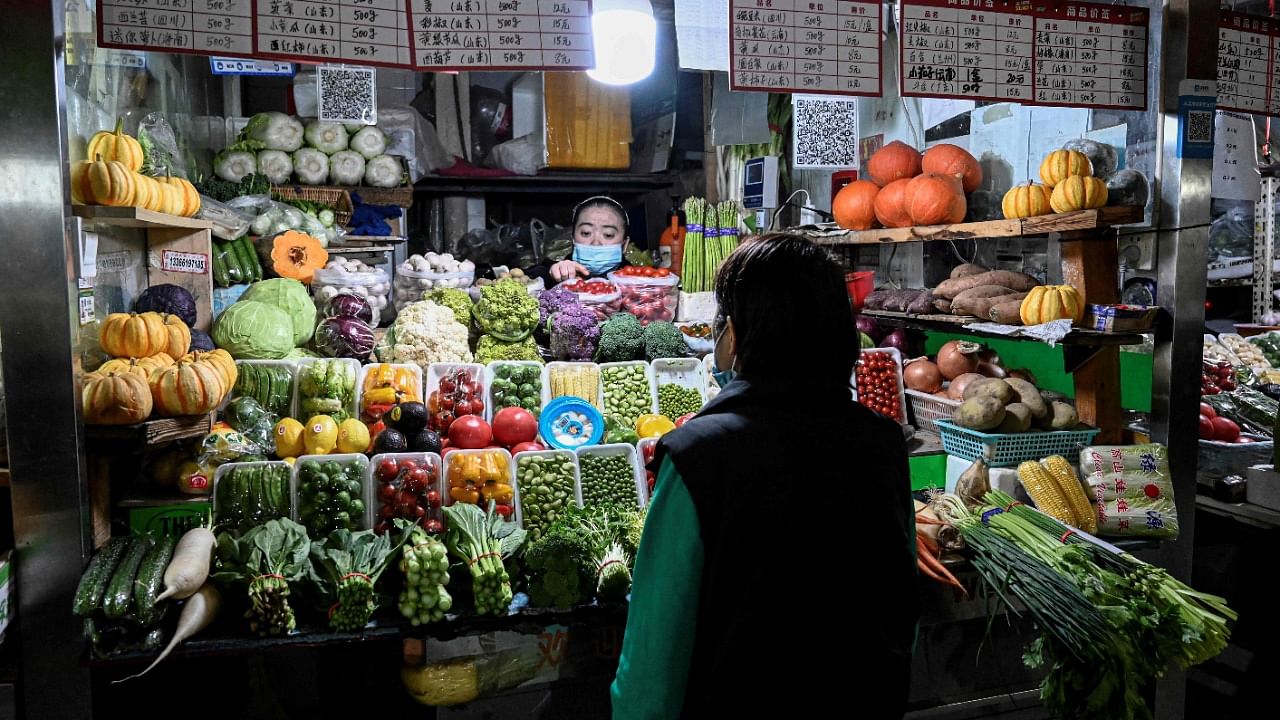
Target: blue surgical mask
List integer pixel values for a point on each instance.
(598, 259)
(722, 377)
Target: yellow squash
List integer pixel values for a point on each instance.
(116, 146)
(220, 359)
(1078, 192)
(1047, 303)
(186, 388)
(109, 183)
(142, 367)
(115, 398)
(179, 336)
(190, 197)
(1026, 200)
(137, 335)
(1061, 164)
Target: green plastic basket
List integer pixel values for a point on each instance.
(1010, 450)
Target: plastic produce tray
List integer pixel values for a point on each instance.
(1009, 450)
(929, 409)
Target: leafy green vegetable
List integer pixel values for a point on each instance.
(424, 560)
(290, 296)
(251, 330)
(482, 539)
(268, 558)
(345, 569)
(585, 552)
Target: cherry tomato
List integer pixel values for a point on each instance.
(407, 464)
(433, 498)
(387, 469)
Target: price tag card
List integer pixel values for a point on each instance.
(805, 46)
(365, 32)
(1070, 53)
(501, 34)
(1248, 64)
(209, 27)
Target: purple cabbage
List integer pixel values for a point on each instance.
(350, 306)
(170, 299)
(575, 332)
(200, 341)
(344, 337)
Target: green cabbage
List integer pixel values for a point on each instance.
(291, 297)
(300, 353)
(252, 330)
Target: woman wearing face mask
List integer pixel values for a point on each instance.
(746, 601)
(599, 240)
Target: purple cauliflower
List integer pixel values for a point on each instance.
(553, 301)
(575, 331)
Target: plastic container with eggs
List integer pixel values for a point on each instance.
(351, 276)
(422, 273)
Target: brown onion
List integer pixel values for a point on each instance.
(1023, 374)
(957, 357)
(991, 370)
(956, 390)
(922, 375)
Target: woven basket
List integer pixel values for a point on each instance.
(335, 197)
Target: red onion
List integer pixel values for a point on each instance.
(896, 339)
(870, 327)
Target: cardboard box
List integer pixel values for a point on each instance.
(168, 520)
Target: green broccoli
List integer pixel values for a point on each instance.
(559, 567)
(664, 340)
(621, 339)
(490, 348)
(457, 300)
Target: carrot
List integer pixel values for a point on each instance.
(936, 567)
(199, 610)
(189, 567)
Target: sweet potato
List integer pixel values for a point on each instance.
(981, 307)
(1012, 280)
(942, 305)
(922, 304)
(966, 270)
(983, 291)
(1006, 312)
(875, 300)
(900, 299)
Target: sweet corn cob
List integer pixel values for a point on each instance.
(1045, 491)
(1072, 492)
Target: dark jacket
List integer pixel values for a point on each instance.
(808, 599)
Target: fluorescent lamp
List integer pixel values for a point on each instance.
(626, 39)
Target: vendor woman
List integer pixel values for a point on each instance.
(599, 240)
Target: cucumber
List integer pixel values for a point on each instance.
(220, 276)
(235, 273)
(150, 580)
(282, 492)
(251, 252)
(93, 584)
(120, 590)
(244, 256)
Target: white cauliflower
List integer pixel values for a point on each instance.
(427, 333)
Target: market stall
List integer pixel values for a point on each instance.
(295, 417)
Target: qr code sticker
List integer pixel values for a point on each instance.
(826, 132)
(1200, 127)
(347, 94)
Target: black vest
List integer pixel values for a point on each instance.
(808, 601)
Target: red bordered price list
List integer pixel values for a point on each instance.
(1248, 64)
(362, 32)
(1077, 54)
(805, 46)
(209, 27)
(500, 34)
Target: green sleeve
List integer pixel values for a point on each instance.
(658, 648)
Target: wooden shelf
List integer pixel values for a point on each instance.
(948, 323)
(137, 218)
(1254, 515)
(152, 432)
(359, 250)
(1075, 222)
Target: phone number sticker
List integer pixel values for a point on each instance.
(184, 262)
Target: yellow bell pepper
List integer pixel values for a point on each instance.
(651, 426)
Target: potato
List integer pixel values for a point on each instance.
(965, 270)
(1007, 312)
(1029, 395)
(992, 388)
(1017, 418)
(1064, 416)
(979, 413)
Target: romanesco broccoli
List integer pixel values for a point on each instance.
(490, 348)
(507, 310)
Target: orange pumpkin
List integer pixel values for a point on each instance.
(894, 161)
(186, 388)
(934, 199)
(297, 255)
(179, 336)
(142, 367)
(854, 206)
(891, 205)
(219, 359)
(133, 334)
(190, 196)
(948, 159)
(115, 398)
(1062, 164)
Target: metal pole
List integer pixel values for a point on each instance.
(39, 321)
(1189, 52)
(1264, 238)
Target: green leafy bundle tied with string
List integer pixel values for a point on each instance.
(268, 558)
(345, 569)
(482, 539)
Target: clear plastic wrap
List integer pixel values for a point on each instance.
(271, 217)
(354, 278)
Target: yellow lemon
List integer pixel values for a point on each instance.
(289, 438)
(353, 436)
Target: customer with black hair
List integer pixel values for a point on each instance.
(776, 575)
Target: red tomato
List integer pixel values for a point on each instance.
(417, 480)
(433, 526)
(470, 432)
(527, 447)
(1225, 430)
(685, 418)
(1207, 410)
(1206, 427)
(503, 510)
(387, 469)
(513, 425)
(444, 451)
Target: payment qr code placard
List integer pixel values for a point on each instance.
(347, 94)
(826, 132)
(1200, 126)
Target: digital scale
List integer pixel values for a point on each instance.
(760, 188)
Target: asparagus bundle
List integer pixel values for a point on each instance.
(694, 210)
